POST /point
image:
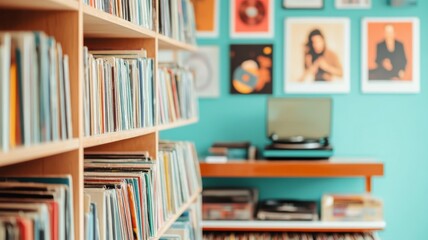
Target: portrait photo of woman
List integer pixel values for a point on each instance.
(321, 64)
(317, 55)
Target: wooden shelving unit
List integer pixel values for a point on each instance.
(291, 226)
(74, 25)
(333, 168)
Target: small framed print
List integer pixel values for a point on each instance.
(353, 4)
(206, 18)
(390, 61)
(204, 63)
(251, 18)
(251, 69)
(303, 4)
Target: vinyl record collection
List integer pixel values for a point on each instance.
(38, 208)
(177, 95)
(177, 20)
(135, 195)
(35, 101)
(139, 12)
(229, 204)
(351, 208)
(288, 236)
(118, 91)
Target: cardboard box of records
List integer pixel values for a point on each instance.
(351, 208)
(229, 204)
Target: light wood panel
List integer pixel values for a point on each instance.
(23, 154)
(167, 43)
(106, 138)
(292, 226)
(180, 123)
(41, 4)
(141, 143)
(147, 44)
(272, 169)
(101, 24)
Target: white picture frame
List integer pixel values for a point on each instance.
(303, 4)
(292, 73)
(359, 4)
(405, 86)
(205, 63)
(262, 35)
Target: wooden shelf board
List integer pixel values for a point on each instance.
(174, 218)
(97, 23)
(101, 139)
(177, 124)
(167, 43)
(293, 226)
(24, 154)
(40, 4)
(335, 167)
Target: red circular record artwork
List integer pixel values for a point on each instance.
(252, 12)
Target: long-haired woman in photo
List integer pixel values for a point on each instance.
(321, 64)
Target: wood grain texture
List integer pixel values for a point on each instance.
(101, 24)
(40, 4)
(145, 142)
(274, 169)
(292, 226)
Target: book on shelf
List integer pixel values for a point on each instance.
(118, 91)
(177, 20)
(139, 12)
(36, 207)
(286, 235)
(135, 195)
(176, 94)
(35, 102)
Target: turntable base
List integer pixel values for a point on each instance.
(298, 154)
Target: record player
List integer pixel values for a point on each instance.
(299, 129)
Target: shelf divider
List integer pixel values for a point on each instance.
(293, 226)
(25, 154)
(335, 167)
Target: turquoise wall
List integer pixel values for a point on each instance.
(389, 127)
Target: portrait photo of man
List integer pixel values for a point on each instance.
(391, 58)
(390, 61)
